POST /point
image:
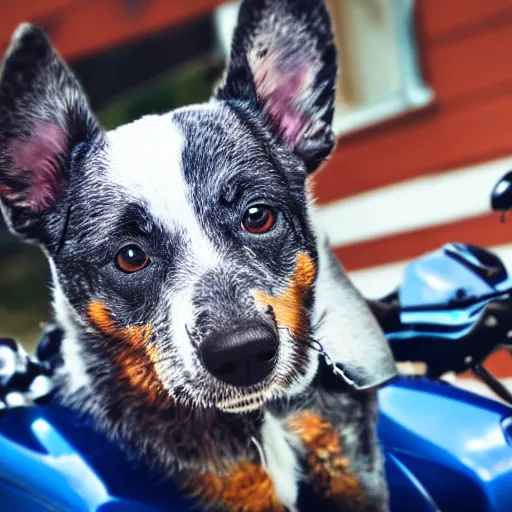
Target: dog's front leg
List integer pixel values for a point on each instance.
(328, 471)
(246, 487)
(332, 474)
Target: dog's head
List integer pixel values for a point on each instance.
(180, 245)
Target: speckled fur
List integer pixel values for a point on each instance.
(177, 185)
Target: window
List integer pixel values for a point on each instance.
(379, 74)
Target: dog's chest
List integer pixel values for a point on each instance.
(281, 461)
(307, 460)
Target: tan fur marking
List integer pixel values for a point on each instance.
(289, 307)
(247, 488)
(133, 356)
(310, 186)
(328, 468)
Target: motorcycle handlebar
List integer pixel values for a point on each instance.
(451, 350)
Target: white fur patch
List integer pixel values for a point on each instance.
(347, 330)
(145, 160)
(73, 365)
(182, 315)
(281, 461)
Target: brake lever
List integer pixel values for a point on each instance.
(488, 378)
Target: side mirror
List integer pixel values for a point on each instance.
(501, 198)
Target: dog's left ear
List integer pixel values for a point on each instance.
(44, 117)
(283, 61)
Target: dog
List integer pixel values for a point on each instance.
(208, 327)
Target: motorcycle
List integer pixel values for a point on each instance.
(446, 449)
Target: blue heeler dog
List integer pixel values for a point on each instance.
(191, 283)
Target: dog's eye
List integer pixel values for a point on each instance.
(131, 258)
(258, 219)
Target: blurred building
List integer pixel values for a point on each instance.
(424, 115)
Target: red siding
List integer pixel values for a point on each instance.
(500, 364)
(13, 13)
(79, 27)
(470, 65)
(446, 18)
(484, 230)
(471, 120)
(465, 47)
(444, 137)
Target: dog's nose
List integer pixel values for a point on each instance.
(242, 357)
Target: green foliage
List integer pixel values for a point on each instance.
(24, 293)
(190, 84)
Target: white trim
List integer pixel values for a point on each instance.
(393, 106)
(413, 204)
(375, 282)
(478, 387)
(225, 18)
(413, 94)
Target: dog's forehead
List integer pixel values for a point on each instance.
(166, 161)
(145, 167)
(174, 164)
(144, 161)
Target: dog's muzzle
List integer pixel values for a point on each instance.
(243, 356)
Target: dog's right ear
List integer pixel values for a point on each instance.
(44, 115)
(283, 61)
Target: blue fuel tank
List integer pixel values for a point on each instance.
(445, 448)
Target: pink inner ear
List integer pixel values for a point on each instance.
(283, 91)
(35, 161)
